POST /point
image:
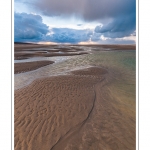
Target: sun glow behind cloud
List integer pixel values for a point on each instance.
(88, 43)
(47, 43)
(132, 38)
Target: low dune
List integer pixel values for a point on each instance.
(73, 112)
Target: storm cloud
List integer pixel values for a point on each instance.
(116, 19)
(87, 9)
(119, 27)
(29, 27)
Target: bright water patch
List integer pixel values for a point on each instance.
(120, 63)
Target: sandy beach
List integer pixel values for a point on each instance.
(84, 108)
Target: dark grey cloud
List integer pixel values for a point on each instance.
(119, 27)
(29, 27)
(122, 14)
(99, 9)
(87, 9)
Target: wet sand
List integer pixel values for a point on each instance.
(29, 66)
(86, 109)
(114, 47)
(38, 54)
(24, 51)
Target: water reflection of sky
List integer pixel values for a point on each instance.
(55, 59)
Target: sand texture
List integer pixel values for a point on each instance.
(80, 111)
(38, 54)
(24, 51)
(28, 66)
(65, 100)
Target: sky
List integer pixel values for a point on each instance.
(75, 21)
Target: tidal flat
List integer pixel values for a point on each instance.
(80, 97)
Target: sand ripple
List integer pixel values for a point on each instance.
(83, 103)
(77, 111)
